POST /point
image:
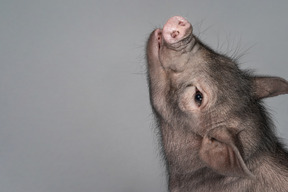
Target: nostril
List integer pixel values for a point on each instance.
(159, 36)
(174, 34)
(176, 29)
(181, 23)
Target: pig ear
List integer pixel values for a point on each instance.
(269, 86)
(219, 152)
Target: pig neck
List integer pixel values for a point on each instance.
(186, 170)
(270, 176)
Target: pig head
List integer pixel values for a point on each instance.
(213, 125)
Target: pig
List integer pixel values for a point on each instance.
(215, 132)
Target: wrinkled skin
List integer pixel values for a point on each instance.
(215, 133)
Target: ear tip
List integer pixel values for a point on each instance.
(266, 86)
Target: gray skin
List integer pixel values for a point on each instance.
(215, 133)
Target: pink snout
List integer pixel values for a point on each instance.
(176, 29)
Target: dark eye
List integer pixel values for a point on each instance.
(198, 98)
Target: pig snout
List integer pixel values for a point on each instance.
(176, 29)
(171, 45)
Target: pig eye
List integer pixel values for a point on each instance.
(198, 98)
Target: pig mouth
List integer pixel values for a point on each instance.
(176, 45)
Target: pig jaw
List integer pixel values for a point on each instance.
(172, 65)
(169, 51)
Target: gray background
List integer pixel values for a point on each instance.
(74, 108)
